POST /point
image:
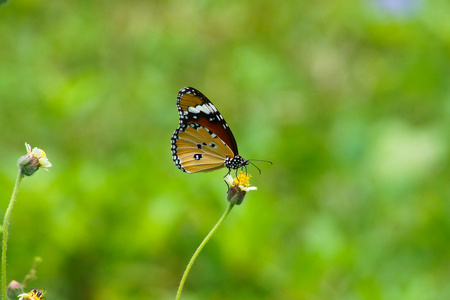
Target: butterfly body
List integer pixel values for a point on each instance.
(203, 140)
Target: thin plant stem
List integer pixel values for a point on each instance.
(199, 249)
(5, 231)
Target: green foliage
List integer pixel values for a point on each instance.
(350, 100)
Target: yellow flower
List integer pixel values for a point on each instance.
(33, 295)
(238, 187)
(33, 160)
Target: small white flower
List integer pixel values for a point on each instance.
(34, 160)
(40, 155)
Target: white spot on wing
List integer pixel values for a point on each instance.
(204, 108)
(194, 110)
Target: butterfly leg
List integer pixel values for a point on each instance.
(228, 173)
(226, 182)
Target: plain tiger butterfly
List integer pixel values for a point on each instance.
(203, 141)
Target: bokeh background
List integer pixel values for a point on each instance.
(349, 99)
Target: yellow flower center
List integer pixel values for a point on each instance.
(242, 179)
(33, 295)
(43, 155)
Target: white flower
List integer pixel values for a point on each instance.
(40, 155)
(34, 159)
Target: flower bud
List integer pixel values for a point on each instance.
(14, 289)
(28, 164)
(235, 195)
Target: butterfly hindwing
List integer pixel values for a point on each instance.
(198, 151)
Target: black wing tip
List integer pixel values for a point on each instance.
(193, 91)
(188, 89)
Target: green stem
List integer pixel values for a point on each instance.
(5, 231)
(199, 249)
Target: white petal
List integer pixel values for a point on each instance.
(37, 152)
(45, 163)
(228, 179)
(250, 188)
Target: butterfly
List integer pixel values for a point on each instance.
(203, 141)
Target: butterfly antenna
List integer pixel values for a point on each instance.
(256, 167)
(250, 161)
(267, 161)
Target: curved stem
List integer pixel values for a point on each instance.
(199, 249)
(5, 232)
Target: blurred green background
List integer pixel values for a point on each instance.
(349, 99)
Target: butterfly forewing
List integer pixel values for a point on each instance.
(203, 141)
(194, 107)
